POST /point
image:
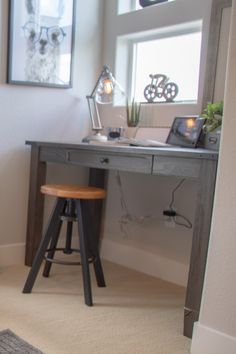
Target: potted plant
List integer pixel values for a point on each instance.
(133, 113)
(213, 114)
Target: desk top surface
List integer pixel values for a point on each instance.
(117, 148)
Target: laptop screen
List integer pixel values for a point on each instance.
(185, 131)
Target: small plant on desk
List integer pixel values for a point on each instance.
(133, 113)
(213, 114)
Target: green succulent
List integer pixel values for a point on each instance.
(213, 114)
(133, 113)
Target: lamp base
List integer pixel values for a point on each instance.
(96, 137)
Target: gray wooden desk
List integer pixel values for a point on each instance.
(189, 163)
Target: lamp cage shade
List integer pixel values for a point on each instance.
(108, 90)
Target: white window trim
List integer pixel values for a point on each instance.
(129, 50)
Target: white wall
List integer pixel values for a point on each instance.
(143, 241)
(215, 333)
(31, 113)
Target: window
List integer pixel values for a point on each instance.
(126, 35)
(176, 56)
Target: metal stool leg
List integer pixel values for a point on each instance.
(51, 253)
(53, 245)
(53, 224)
(69, 229)
(97, 264)
(84, 256)
(93, 244)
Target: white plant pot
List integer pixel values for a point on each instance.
(211, 140)
(130, 132)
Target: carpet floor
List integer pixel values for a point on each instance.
(134, 314)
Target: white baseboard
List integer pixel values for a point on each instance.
(127, 256)
(12, 254)
(145, 262)
(209, 341)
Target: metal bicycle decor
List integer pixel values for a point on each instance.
(160, 88)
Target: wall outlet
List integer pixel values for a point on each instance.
(169, 222)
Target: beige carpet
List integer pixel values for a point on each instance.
(134, 314)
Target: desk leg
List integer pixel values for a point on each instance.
(200, 241)
(35, 205)
(93, 220)
(97, 179)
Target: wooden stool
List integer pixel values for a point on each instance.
(70, 206)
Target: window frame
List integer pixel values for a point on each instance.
(119, 28)
(168, 32)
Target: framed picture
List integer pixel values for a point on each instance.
(41, 42)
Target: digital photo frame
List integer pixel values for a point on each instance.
(185, 131)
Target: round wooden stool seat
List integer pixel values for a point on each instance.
(73, 191)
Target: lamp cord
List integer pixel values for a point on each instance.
(188, 224)
(127, 217)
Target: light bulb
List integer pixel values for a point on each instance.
(107, 86)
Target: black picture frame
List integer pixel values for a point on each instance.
(41, 42)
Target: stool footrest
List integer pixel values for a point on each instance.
(69, 218)
(57, 261)
(62, 262)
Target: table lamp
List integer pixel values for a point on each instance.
(106, 91)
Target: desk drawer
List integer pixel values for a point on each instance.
(113, 161)
(176, 166)
(53, 155)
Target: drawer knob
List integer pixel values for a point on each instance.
(104, 160)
